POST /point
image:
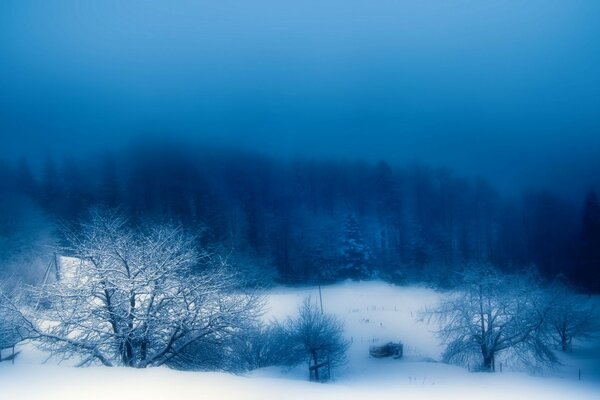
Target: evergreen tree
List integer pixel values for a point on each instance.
(26, 183)
(108, 190)
(74, 195)
(50, 187)
(356, 254)
(589, 261)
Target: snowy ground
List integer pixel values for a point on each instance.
(373, 312)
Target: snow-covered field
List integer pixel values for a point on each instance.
(374, 312)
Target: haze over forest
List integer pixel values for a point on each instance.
(506, 90)
(227, 198)
(441, 133)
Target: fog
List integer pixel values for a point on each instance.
(504, 89)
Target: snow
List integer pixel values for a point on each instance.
(373, 312)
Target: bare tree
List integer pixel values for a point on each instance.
(492, 313)
(318, 339)
(132, 300)
(571, 316)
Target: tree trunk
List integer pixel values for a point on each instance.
(315, 366)
(488, 362)
(128, 345)
(143, 351)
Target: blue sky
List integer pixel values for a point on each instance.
(506, 89)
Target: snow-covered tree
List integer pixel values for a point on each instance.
(317, 338)
(492, 314)
(132, 300)
(571, 316)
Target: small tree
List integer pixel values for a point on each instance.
(571, 316)
(492, 313)
(318, 339)
(133, 300)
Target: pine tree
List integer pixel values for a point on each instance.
(356, 254)
(50, 186)
(589, 261)
(26, 183)
(108, 190)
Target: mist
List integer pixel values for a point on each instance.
(505, 90)
(228, 198)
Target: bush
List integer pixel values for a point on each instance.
(266, 345)
(311, 337)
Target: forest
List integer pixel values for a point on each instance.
(301, 220)
(276, 199)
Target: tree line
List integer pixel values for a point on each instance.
(146, 295)
(304, 220)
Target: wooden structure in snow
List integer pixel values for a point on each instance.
(8, 354)
(9, 338)
(319, 372)
(389, 349)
